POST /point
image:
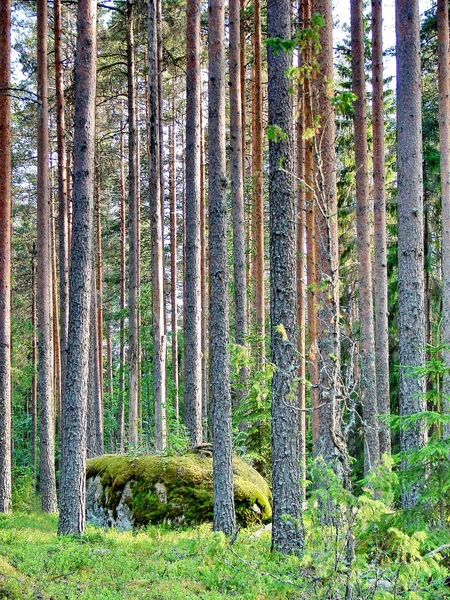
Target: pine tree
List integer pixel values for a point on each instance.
(5, 257)
(73, 454)
(224, 514)
(287, 532)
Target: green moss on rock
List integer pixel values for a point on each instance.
(175, 489)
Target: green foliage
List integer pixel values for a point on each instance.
(251, 418)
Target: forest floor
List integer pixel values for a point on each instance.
(157, 563)
(161, 563)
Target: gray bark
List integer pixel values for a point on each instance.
(287, 532)
(368, 382)
(192, 306)
(5, 257)
(381, 287)
(411, 321)
(133, 261)
(237, 190)
(159, 338)
(47, 485)
(444, 139)
(73, 455)
(224, 513)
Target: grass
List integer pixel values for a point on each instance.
(194, 563)
(157, 563)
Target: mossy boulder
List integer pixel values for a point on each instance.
(129, 492)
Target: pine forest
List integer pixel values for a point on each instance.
(225, 299)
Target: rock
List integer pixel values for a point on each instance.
(128, 492)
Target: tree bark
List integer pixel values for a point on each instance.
(193, 366)
(237, 191)
(203, 283)
(444, 139)
(287, 532)
(133, 262)
(159, 338)
(5, 257)
(34, 352)
(311, 243)
(330, 444)
(224, 513)
(301, 266)
(73, 467)
(257, 172)
(381, 286)
(99, 288)
(173, 265)
(44, 278)
(368, 382)
(411, 321)
(62, 188)
(121, 407)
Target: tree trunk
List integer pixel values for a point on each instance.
(159, 338)
(193, 366)
(94, 411)
(55, 314)
(411, 323)
(121, 407)
(173, 265)
(224, 513)
(444, 139)
(368, 381)
(301, 267)
(62, 189)
(133, 292)
(287, 532)
(5, 257)
(237, 191)
(73, 467)
(242, 51)
(34, 352)
(257, 172)
(203, 283)
(381, 287)
(99, 288)
(311, 243)
(329, 442)
(44, 278)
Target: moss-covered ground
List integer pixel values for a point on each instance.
(182, 564)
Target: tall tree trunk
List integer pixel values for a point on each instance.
(55, 314)
(62, 188)
(133, 292)
(301, 266)
(329, 443)
(94, 410)
(121, 406)
(381, 288)
(287, 533)
(34, 352)
(311, 243)
(5, 257)
(44, 278)
(411, 323)
(99, 287)
(73, 467)
(368, 381)
(203, 271)
(444, 139)
(257, 172)
(242, 51)
(237, 190)
(224, 513)
(193, 366)
(159, 338)
(173, 265)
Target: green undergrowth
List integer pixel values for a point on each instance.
(192, 563)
